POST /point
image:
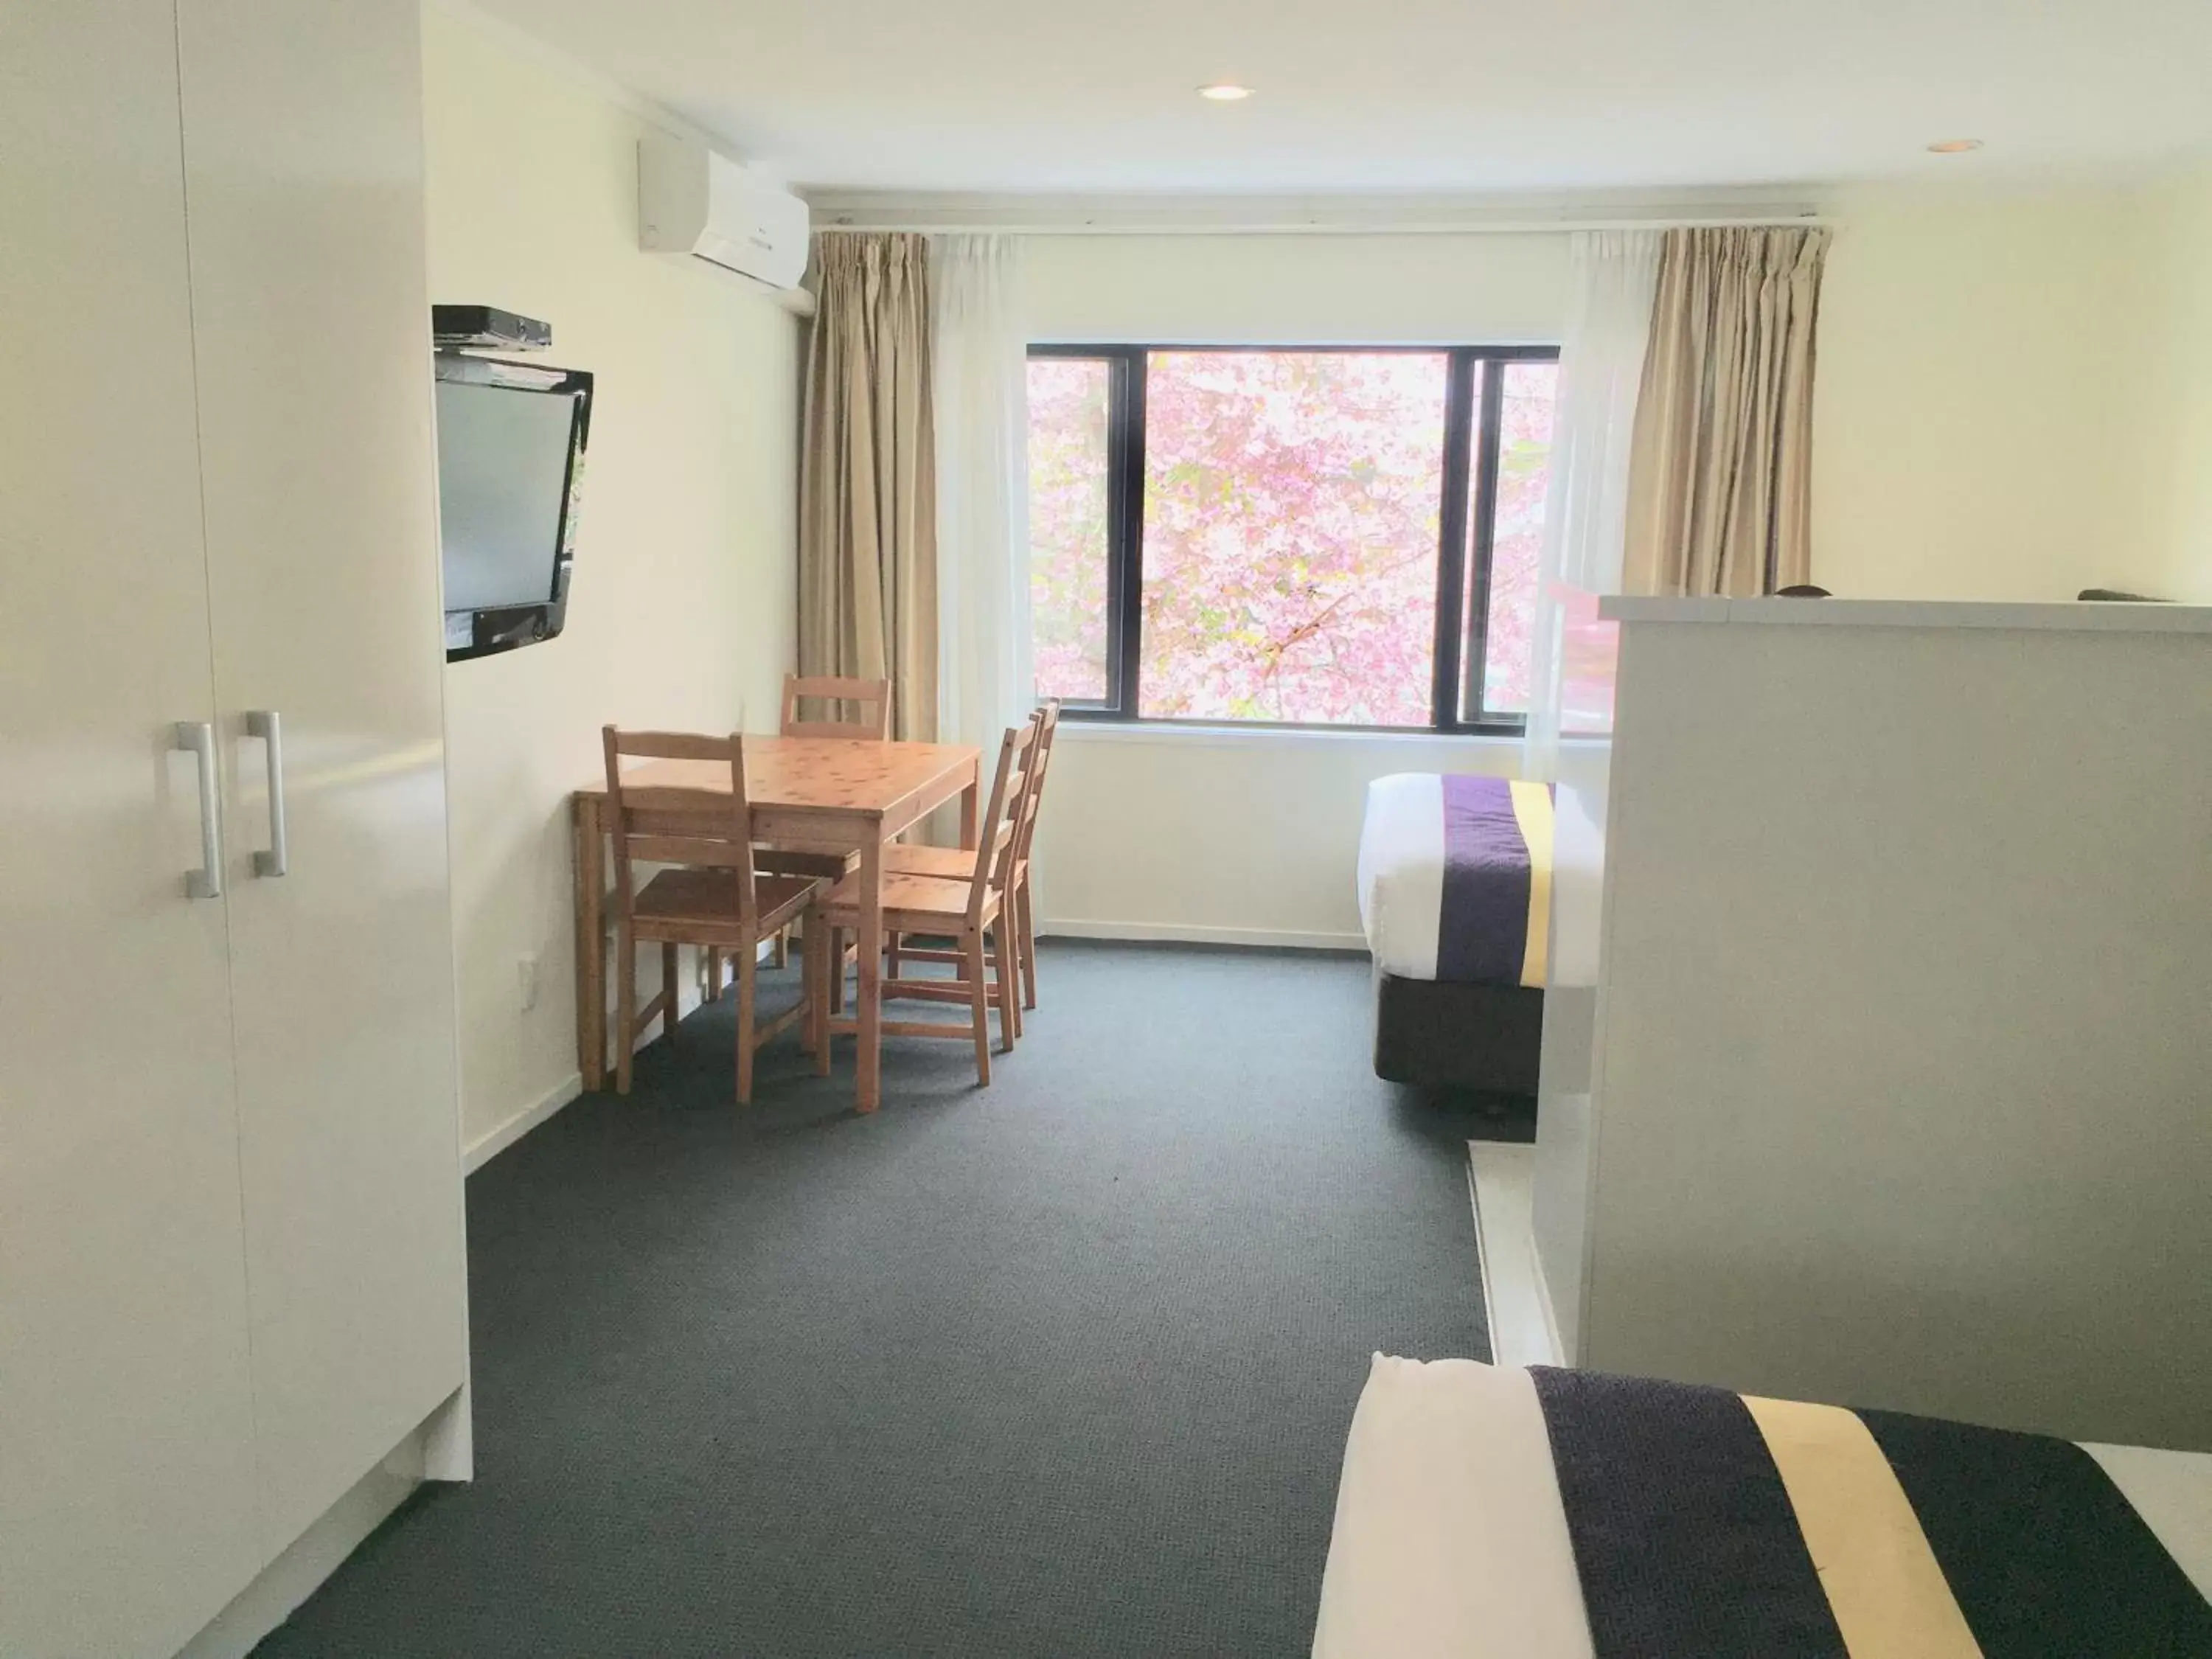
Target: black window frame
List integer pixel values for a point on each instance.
(1472, 432)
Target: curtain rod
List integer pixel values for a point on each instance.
(1248, 216)
(1520, 227)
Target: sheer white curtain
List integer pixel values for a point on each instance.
(979, 361)
(1613, 277)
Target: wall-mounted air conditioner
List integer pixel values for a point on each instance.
(690, 200)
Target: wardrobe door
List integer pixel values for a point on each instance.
(126, 1499)
(303, 172)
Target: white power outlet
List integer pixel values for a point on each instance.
(526, 970)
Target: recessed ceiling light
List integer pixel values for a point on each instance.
(1225, 91)
(1954, 146)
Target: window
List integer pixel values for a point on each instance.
(1071, 562)
(1308, 536)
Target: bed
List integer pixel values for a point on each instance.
(1455, 896)
(1543, 1514)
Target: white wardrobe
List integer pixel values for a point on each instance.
(231, 1251)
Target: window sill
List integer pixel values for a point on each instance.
(1197, 736)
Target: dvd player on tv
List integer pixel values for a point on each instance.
(452, 326)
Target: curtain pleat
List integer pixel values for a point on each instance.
(1720, 473)
(867, 530)
(1613, 276)
(979, 362)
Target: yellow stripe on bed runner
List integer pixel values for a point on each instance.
(1532, 811)
(1888, 1595)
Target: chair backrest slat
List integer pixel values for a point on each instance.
(653, 823)
(872, 699)
(659, 804)
(673, 745)
(693, 850)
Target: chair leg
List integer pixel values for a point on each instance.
(891, 952)
(714, 955)
(1006, 977)
(1028, 930)
(834, 959)
(783, 947)
(625, 1006)
(814, 957)
(979, 994)
(748, 971)
(806, 995)
(668, 989)
(1003, 986)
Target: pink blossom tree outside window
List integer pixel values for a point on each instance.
(1291, 523)
(1293, 505)
(1516, 548)
(1068, 548)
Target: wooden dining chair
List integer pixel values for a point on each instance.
(952, 861)
(712, 898)
(970, 909)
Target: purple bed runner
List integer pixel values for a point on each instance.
(1482, 932)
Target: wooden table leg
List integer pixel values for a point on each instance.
(968, 815)
(590, 943)
(868, 1093)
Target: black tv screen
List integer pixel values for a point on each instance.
(511, 440)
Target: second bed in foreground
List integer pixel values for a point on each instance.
(1489, 1512)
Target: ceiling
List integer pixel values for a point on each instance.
(1411, 96)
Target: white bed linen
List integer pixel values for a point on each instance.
(1401, 871)
(1450, 1537)
(1452, 1540)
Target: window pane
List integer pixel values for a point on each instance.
(1291, 503)
(1068, 412)
(1516, 548)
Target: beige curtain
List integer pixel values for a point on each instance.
(1721, 468)
(868, 495)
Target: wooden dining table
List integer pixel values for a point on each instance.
(811, 794)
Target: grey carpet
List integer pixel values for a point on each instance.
(1061, 1367)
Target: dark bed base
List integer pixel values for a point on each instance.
(1447, 1035)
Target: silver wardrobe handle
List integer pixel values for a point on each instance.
(262, 723)
(206, 882)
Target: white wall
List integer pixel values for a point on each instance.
(1298, 291)
(2180, 437)
(1245, 838)
(681, 611)
(1980, 399)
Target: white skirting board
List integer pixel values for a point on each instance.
(1176, 933)
(476, 1153)
(318, 1553)
(1501, 1179)
(690, 992)
(490, 1145)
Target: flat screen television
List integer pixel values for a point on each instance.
(511, 441)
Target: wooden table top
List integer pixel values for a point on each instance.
(826, 774)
